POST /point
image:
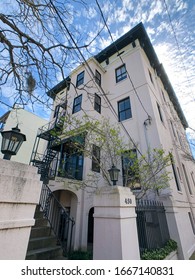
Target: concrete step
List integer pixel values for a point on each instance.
(40, 231)
(38, 214)
(42, 242)
(41, 222)
(50, 253)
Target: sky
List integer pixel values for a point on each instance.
(169, 24)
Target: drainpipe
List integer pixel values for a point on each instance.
(146, 123)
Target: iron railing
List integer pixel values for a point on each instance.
(152, 225)
(58, 218)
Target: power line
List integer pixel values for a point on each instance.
(119, 55)
(6, 104)
(177, 43)
(90, 72)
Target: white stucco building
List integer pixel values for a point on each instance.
(127, 84)
(28, 124)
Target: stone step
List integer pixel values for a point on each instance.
(42, 242)
(40, 231)
(49, 253)
(38, 214)
(41, 222)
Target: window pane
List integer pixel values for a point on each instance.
(80, 79)
(130, 170)
(124, 109)
(127, 114)
(96, 159)
(121, 73)
(77, 104)
(97, 103)
(71, 164)
(98, 77)
(122, 116)
(121, 106)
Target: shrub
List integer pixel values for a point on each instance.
(161, 253)
(80, 255)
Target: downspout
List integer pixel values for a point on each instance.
(146, 123)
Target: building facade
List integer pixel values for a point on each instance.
(126, 84)
(28, 123)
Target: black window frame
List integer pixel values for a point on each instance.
(151, 78)
(126, 160)
(97, 103)
(56, 111)
(95, 158)
(77, 105)
(98, 78)
(191, 222)
(186, 179)
(160, 112)
(178, 186)
(80, 78)
(71, 161)
(126, 110)
(122, 75)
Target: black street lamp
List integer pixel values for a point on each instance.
(114, 172)
(11, 142)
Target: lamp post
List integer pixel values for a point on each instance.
(11, 142)
(114, 172)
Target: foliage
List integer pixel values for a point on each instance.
(144, 171)
(80, 255)
(161, 253)
(36, 47)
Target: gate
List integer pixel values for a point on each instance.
(152, 225)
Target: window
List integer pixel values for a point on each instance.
(163, 95)
(175, 172)
(151, 79)
(80, 79)
(186, 177)
(97, 103)
(56, 112)
(193, 180)
(191, 221)
(77, 104)
(130, 169)
(98, 77)
(178, 171)
(71, 164)
(173, 128)
(121, 73)
(160, 113)
(96, 158)
(124, 109)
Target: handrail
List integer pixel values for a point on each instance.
(58, 218)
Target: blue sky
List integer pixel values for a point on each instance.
(169, 24)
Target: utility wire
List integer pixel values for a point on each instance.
(102, 15)
(6, 104)
(177, 43)
(90, 72)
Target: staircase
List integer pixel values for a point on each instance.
(43, 244)
(44, 163)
